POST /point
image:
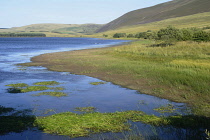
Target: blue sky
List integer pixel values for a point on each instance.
(16, 13)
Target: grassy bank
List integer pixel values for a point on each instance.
(179, 72)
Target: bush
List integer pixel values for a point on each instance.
(171, 32)
(119, 35)
(187, 34)
(130, 36)
(201, 36)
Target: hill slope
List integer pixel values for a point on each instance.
(73, 29)
(172, 9)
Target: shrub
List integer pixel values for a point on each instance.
(119, 35)
(130, 36)
(170, 32)
(201, 36)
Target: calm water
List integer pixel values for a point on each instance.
(106, 98)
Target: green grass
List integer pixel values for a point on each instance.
(97, 83)
(166, 109)
(47, 83)
(18, 85)
(39, 86)
(85, 109)
(53, 93)
(80, 125)
(75, 125)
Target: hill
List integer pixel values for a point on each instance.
(171, 9)
(53, 29)
(201, 20)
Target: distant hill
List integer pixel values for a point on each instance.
(73, 29)
(81, 29)
(171, 9)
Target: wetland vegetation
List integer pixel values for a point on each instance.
(39, 86)
(179, 72)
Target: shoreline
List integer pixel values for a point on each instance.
(98, 63)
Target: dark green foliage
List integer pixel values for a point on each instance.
(119, 35)
(207, 27)
(22, 35)
(141, 35)
(187, 34)
(105, 35)
(130, 36)
(170, 33)
(201, 36)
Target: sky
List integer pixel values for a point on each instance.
(16, 13)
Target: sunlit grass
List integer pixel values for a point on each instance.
(85, 109)
(39, 86)
(97, 83)
(47, 83)
(52, 93)
(80, 125)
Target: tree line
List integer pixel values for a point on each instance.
(170, 33)
(22, 35)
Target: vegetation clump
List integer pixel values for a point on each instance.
(85, 109)
(119, 35)
(97, 83)
(39, 86)
(52, 93)
(171, 34)
(166, 109)
(80, 125)
(22, 35)
(47, 83)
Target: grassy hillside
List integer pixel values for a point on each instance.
(197, 20)
(79, 29)
(172, 9)
(58, 30)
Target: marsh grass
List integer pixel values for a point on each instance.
(53, 93)
(166, 109)
(18, 85)
(52, 83)
(80, 125)
(85, 109)
(97, 83)
(39, 86)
